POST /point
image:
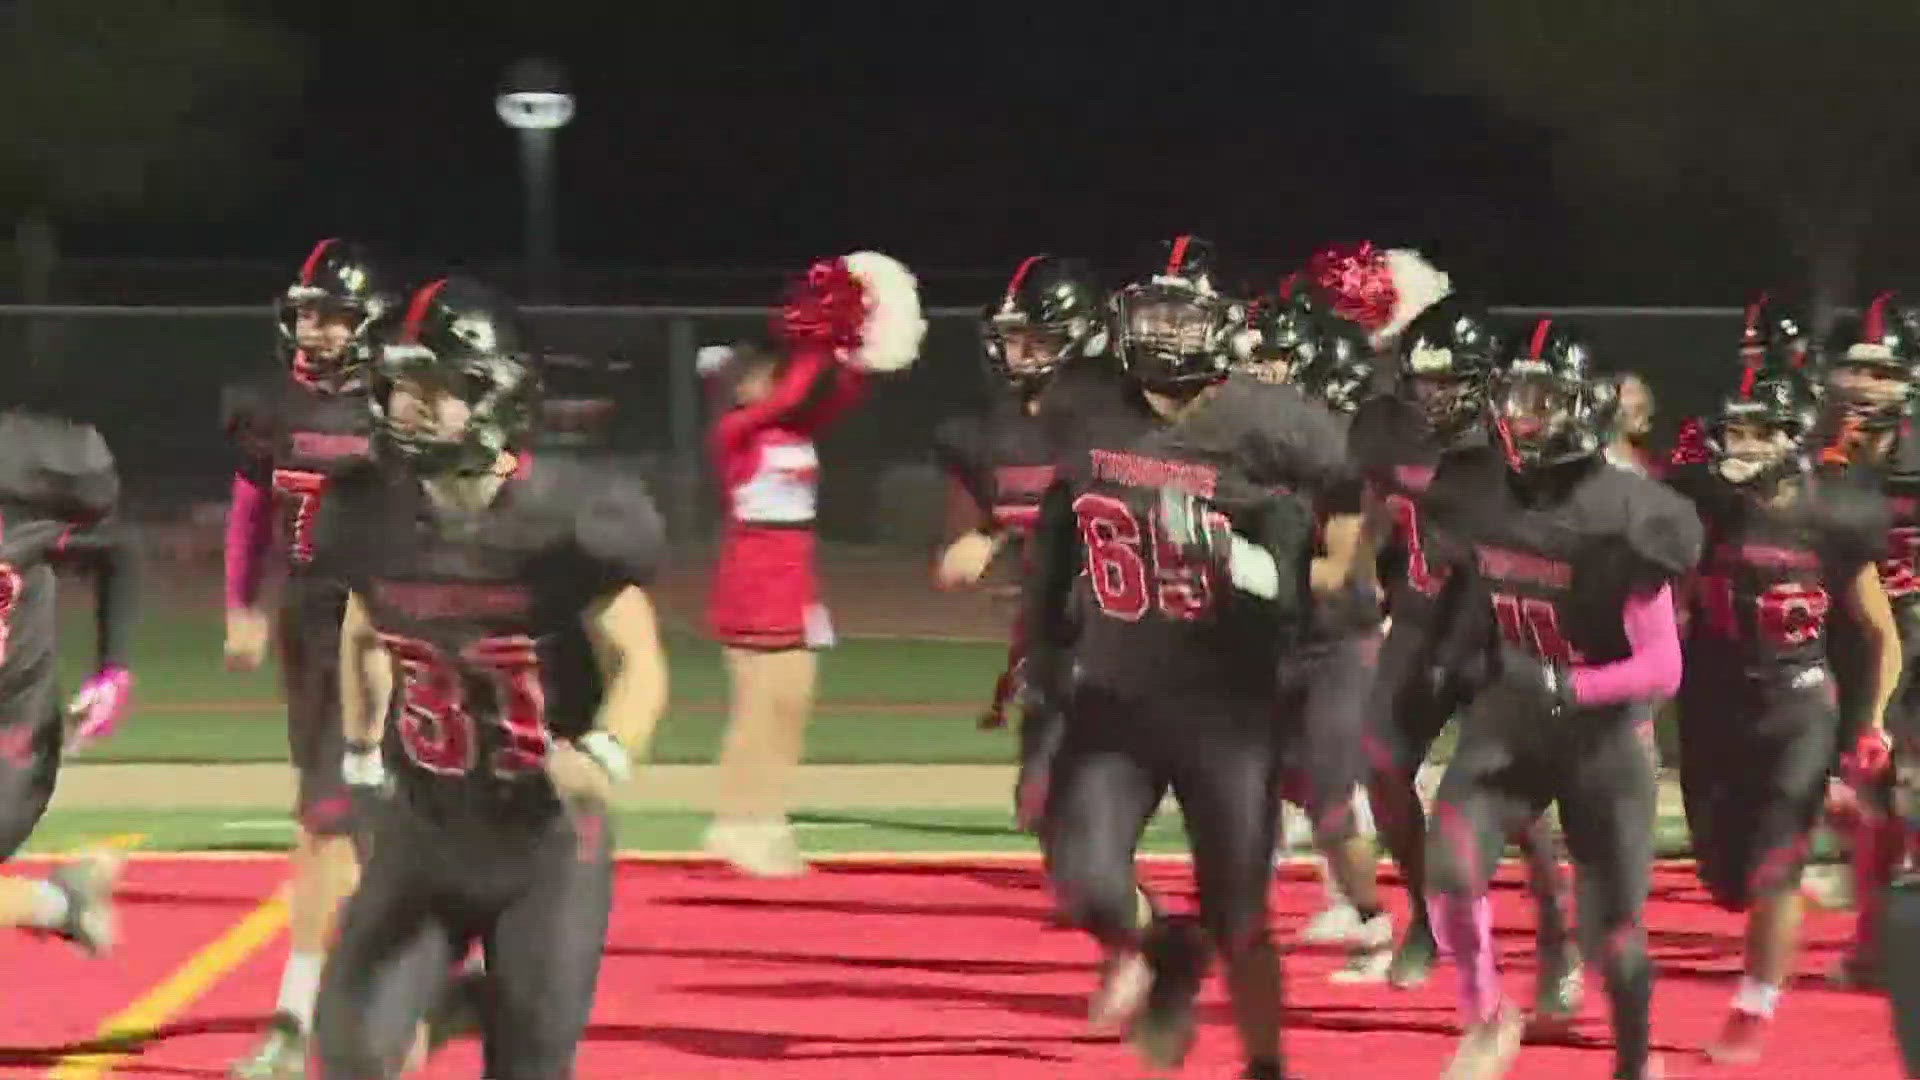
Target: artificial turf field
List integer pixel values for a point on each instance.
(920, 947)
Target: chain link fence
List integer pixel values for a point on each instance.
(150, 379)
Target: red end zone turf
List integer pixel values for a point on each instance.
(903, 970)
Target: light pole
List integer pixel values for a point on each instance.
(535, 101)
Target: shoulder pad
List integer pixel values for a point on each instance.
(1855, 518)
(57, 464)
(619, 528)
(1662, 528)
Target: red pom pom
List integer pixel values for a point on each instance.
(1691, 447)
(826, 308)
(1356, 282)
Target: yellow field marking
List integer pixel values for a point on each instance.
(178, 990)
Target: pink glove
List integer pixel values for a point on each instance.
(95, 710)
(1871, 758)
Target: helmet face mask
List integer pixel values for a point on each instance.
(1866, 391)
(1052, 312)
(1026, 353)
(1538, 415)
(1445, 356)
(1450, 403)
(326, 317)
(1173, 336)
(452, 392)
(1746, 450)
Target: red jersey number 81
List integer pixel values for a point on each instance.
(439, 726)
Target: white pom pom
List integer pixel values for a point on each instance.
(1417, 286)
(711, 360)
(890, 340)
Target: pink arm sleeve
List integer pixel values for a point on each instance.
(249, 529)
(1652, 668)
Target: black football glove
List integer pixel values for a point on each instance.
(1549, 686)
(1190, 524)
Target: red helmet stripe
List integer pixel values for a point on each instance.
(1874, 327)
(1539, 338)
(1178, 255)
(313, 259)
(1747, 375)
(417, 311)
(1020, 274)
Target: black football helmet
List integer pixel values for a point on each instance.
(1446, 356)
(338, 279)
(1758, 433)
(1173, 331)
(1873, 364)
(1547, 403)
(1339, 367)
(457, 336)
(1284, 335)
(1774, 337)
(1053, 311)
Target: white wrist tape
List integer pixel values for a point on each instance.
(1252, 568)
(607, 752)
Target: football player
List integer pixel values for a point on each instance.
(497, 611)
(999, 462)
(1193, 571)
(1444, 360)
(1872, 363)
(296, 427)
(1286, 329)
(58, 492)
(1325, 676)
(1561, 571)
(1758, 721)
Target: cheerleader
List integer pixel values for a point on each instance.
(846, 318)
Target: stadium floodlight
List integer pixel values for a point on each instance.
(535, 101)
(534, 96)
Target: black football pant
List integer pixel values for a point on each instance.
(1756, 748)
(1118, 757)
(1407, 707)
(1598, 765)
(31, 733)
(536, 897)
(309, 640)
(1323, 697)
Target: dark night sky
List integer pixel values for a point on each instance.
(954, 135)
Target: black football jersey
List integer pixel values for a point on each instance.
(1153, 621)
(293, 440)
(1769, 574)
(57, 487)
(482, 613)
(1289, 443)
(1899, 564)
(1004, 459)
(1396, 459)
(1556, 573)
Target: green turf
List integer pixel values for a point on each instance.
(820, 831)
(189, 708)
